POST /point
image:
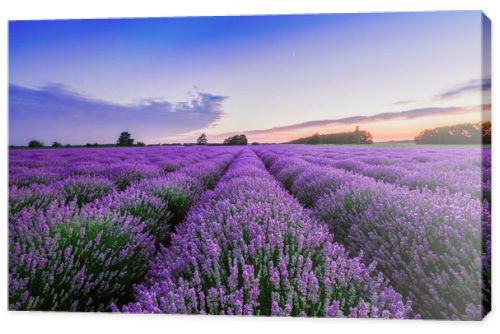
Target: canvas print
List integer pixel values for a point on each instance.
(328, 165)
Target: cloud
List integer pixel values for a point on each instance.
(355, 120)
(469, 86)
(402, 102)
(54, 112)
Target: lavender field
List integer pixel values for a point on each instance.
(284, 230)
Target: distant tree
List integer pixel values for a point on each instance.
(202, 139)
(243, 140)
(35, 144)
(366, 138)
(56, 144)
(355, 137)
(236, 140)
(67, 145)
(466, 133)
(315, 139)
(125, 139)
(255, 143)
(95, 145)
(88, 145)
(140, 143)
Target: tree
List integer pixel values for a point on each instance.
(202, 139)
(354, 137)
(366, 138)
(243, 140)
(466, 133)
(35, 144)
(125, 139)
(56, 144)
(140, 143)
(315, 139)
(357, 135)
(236, 140)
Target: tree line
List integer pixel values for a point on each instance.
(466, 133)
(354, 137)
(125, 140)
(233, 140)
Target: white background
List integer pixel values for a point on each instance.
(37, 322)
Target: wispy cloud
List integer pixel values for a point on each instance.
(54, 112)
(355, 120)
(402, 102)
(464, 88)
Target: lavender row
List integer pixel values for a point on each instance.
(83, 183)
(432, 245)
(249, 248)
(84, 256)
(458, 170)
(120, 165)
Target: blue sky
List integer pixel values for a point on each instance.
(273, 77)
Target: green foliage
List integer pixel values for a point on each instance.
(169, 168)
(355, 137)
(85, 191)
(124, 180)
(153, 212)
(125, 139)
(315, 139)
(56, 144)
(202, 139)
(35, 144)
(466, 133)
(236, 140)
(140, 143)
(366, 138)
(178, 203)
(34, 196)
(88, 270)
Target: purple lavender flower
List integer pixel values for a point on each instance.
(430, 236)
(213, 245)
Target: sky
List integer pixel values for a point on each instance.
(274, 78)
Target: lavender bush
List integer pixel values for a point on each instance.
(63, 257)
(70, 259)
(429, 243)
(85, 189)
(249, 248)
(152, 211)
(35, 196)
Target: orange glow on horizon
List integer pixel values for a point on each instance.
(380, 130)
